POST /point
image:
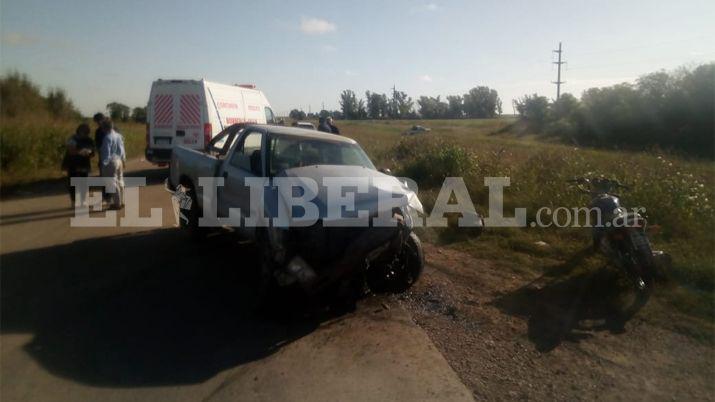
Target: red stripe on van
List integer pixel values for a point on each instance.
(163, 109)
(190, 110)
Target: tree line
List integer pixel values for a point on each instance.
(21, 97)
(671, 110)
(122, 112)
(478, 102)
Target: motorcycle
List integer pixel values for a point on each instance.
(620, 235)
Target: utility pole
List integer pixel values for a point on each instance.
(558, 81)
(323, 106)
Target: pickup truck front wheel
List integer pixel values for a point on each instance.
(262, 279)
(399, 274)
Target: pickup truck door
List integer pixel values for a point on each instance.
(246, 160)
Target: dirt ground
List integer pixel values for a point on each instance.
(512, 336)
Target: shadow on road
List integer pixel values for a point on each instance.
(144, 309)
(59, 185)
(55, 213)
(568, 303)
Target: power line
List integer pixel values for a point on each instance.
(558, 81)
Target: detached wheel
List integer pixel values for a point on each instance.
(404, 271)
(192, 214)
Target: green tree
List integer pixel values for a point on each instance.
(403, 105)
(377, 106)
(533, 108)
(456, 109)
(139, 114)
(432, 108)
(566, 107)
(118, 111)
(361, 110)
(482, 102)
(350, 105)
(296, 114)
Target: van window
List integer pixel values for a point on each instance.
(251, 148)
(270, 118)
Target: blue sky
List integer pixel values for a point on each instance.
(302, 54)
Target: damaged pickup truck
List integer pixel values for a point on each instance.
(315, 247)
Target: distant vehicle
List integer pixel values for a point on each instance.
(304, 124)
(190, 112)
(416, 130)
(388, 258)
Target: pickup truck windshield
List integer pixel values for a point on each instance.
(290, 152)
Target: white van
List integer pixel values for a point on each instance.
(191, 112)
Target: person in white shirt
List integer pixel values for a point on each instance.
(112, 158)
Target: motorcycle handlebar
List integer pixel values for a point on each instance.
(580, 181)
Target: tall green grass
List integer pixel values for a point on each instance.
(32, 149)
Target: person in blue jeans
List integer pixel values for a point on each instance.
(112, 158)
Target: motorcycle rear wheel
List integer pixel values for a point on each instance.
(641, 276)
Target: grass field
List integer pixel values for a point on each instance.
(677, 192)
(32, 150)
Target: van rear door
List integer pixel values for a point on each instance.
(189, 130)
(162, 119)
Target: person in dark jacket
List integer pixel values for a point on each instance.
(323, 125)
(333, 128)
(99, 134)
(80, 149)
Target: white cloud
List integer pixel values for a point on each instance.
(316, 26)
(424, 8)
(18, 39)
(425, 78)
(350, 73)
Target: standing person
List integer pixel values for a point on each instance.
(112, 157)
(333, 128)
(80, 149)
(323, 125)
(99, 136)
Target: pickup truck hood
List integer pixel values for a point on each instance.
(367, 201)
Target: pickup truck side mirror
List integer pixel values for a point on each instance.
(385, 171)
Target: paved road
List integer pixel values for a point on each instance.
(144, 314)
